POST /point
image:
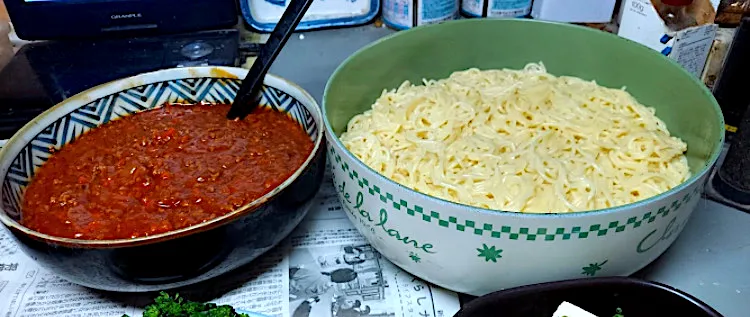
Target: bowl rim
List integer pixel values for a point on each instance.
(716, 152)
(490, 298)
(34, 127)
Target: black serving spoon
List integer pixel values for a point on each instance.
(247, 96)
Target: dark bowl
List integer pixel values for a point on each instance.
(179, 257)
(599, 296)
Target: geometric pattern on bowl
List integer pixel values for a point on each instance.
(127, 102)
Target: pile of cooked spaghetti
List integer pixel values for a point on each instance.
(519, 140)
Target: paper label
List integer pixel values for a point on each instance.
(400, 13)
(497, 8)
(691, 48)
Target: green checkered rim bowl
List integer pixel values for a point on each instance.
(426, 235)
(489, 229)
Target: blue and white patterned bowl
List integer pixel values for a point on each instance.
(179, 257)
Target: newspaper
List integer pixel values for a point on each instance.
(296, 279)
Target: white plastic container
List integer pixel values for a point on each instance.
(264, 14)
(571, 11)
(405, 14)
(496, 8)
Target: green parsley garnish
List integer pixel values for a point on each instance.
(168, 306)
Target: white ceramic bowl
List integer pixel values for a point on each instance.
(478, 251)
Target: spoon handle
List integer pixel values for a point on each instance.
(246, 101)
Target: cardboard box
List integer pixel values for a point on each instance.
(640, 21)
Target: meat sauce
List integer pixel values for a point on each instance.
(162, 170)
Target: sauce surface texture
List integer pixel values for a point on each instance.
(162, 170)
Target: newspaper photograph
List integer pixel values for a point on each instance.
(325, 268)
(344, 281)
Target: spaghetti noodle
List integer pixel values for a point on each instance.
(519, 140)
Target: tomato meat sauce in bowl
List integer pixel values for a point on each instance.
(180, 165)
(142, 184)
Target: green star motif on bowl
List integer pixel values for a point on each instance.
(490, 253)
(593, 268)
(414, 257)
